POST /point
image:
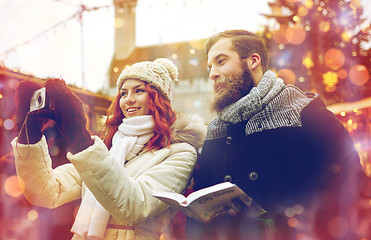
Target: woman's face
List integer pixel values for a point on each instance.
(133, 101)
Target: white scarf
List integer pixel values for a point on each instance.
(133, 133)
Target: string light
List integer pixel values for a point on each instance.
(44, 33)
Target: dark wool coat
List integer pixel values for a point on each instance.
(309, 174)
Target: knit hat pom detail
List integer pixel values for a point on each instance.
(169, 66)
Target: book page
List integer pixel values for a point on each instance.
(212, 202)
(172, 198)
(205, 191)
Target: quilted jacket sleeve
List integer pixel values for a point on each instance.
(126, 192)
(42, 185)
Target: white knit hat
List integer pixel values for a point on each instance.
(160, 73)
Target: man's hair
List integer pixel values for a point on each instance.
(160, 109)
(244, 43)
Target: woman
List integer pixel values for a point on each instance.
(145, 149)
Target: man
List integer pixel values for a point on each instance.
(278, 144)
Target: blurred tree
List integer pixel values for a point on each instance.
(321, 46)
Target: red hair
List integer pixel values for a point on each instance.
(160, 109)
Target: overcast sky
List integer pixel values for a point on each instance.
(43, 37)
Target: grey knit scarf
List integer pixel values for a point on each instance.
(269, 105)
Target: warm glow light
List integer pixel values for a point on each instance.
(303, 11)
(295, 35)
(32, 215)
(116, 69)
(307, 62)
(1, 96)
(174, 56)
(119, 23)
(192, 51)
(366, 28)
(346, 36)
(197, 44)
(334, 59)
(324, 26)
(358, 146)
(355, 4)
(287, 75)
(12, 186)
(359, 75)
(279, 36)
(308, 3)
(330, 79)
(292, 222)
(343, 114)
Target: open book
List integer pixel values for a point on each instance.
(209, 203)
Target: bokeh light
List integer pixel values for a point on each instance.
(292, 222)
(346, 36)
(279, 35)
(330, 79)
(298, 209)
(334, 59)
(355, 4)
(287, 75)
(32, 215)
(303, 11)
(9, 124)
(358, 75)
(289, 212)
(324, 26)
(308, 3)
(12, 186)
(13, 83)
(295, 34)
(54, 150)
(307, 61)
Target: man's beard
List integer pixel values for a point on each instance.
(232, 89)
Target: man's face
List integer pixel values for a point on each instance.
(231, 75)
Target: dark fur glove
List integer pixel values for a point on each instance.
(32, 129)
(69, 115)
